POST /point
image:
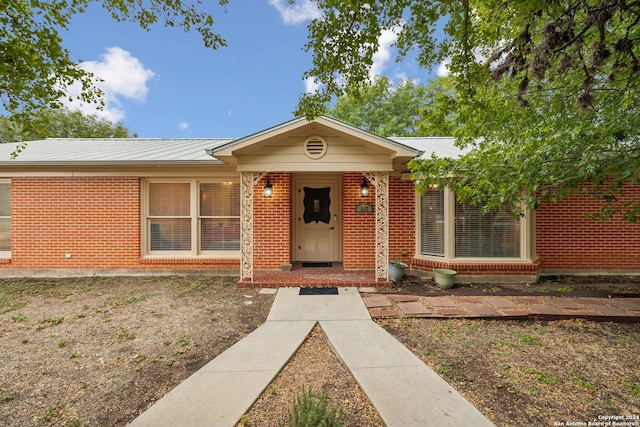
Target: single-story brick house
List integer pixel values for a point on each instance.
(293, 193)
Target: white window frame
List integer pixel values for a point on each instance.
(526, 242)
(6, 254)
(194, 201)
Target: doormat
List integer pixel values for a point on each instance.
(316, 264)
(318, 291)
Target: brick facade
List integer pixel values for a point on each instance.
(272, 222)
(97, 221)
(568, 240)
(358, 229)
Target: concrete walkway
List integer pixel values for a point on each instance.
(403, 389)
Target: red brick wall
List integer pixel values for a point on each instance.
(358, 229)
(272, 222)
(567, 239)
(95, 219)
(402, 219)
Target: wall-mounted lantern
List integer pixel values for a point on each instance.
(268, 190)
(364, 188)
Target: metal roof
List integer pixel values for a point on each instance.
(440, 146)
(121, 151)
(112, 151)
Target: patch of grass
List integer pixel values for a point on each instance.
(631, 387)
(547, 378)
(63, 343)
(5, 397)
(527, 339)
(444, 371)
(625, 339)
(245, 421)
(50, 414)
(543, 377)
(495, 341)
(588, 385)
(47, 322)
(139, 358)
(9, 302)
(125, 334)
(128, 301)
(20, 317)
(565, 289)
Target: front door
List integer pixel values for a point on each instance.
(317, 220)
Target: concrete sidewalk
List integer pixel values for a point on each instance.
(404, 390)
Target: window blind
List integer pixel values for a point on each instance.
(492, 235)
(432, 223)
(169, 216)
(5, 216)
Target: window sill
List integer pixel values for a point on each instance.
(474, 260)
(154, 259)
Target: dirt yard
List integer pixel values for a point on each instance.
(98, 351)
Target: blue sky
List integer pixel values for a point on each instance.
(165, 84)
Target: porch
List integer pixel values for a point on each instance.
(315, 277)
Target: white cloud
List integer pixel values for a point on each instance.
(296, 14)
(311, 85)
(182, 125)
(122, 76)
(383, 55)
(443, 68)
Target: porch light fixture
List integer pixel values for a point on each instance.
(364, 188)
(268, 190)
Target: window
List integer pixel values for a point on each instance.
(432, 223)
(192, 217)
(5, 216)
(472, 234)
(491, 235)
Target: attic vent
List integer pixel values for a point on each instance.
(315, 147)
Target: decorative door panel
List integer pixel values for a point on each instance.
(317, 221)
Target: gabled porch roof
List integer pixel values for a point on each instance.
(346, 148)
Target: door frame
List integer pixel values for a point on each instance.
(317, 180)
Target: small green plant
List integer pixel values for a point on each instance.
(125, 334)
(633, 388)
(245, 421)
(20, 317)
(527, 339)
(47, 322)
(307, 410)
(543, 377)
(5, 397)
(588, 385)
(445, 371)
(50, 414)
(63, 343)
(547, 378)
(565, 289)
(625, 339)
(128, 301)
(184, 341)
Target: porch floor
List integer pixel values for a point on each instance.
(314, 277)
